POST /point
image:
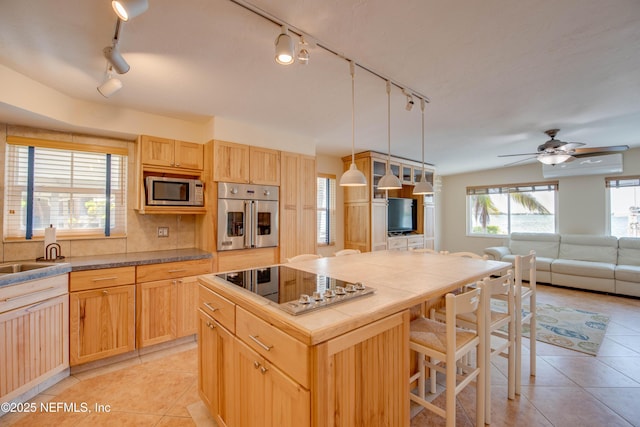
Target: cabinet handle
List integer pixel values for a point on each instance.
(256, 364)
(209, 306)
(211, 325)
(100, 279)
(27, 294)
(263, 370)
(177, 270)
(105, 292)
(260, 343)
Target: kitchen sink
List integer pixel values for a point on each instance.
(18, 267)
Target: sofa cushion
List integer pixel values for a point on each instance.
(584, 268)
(589, 248)
(545, 244)
(542, 263)
(629, 251)
(628, 273)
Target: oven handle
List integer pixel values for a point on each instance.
(254, 224)
(248, 224)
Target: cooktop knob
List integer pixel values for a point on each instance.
(359, 286)
(340, 290)
(233, 190)
(304, 299)
(350, 288)
(317, 296)
(267, 192)
(329, 293)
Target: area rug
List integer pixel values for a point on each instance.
(578, 330)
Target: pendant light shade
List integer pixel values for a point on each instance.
(353, 177)
(284, 48)
(423, 187)
(389, 181)
(129, 9)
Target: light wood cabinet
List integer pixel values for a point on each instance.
(365, 208)
(167, 300)
(102, 313)
(298, 228)
(170, 153)
(34, 336)
(241, 163)
(215, 364)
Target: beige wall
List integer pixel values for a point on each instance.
(582, 202)
(141, 229)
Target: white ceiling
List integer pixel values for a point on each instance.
(497, 72)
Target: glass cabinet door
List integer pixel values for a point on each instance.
(407, 175)
(379, 169)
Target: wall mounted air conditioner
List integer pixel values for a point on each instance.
(595, 165)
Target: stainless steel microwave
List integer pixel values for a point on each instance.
(164, 191)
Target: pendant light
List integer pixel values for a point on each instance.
(389, 181)
(423, 187)
(353, 177)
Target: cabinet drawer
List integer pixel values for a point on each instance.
(172, 270)
(399, 243)
(415, 241)
(25, 293)
(287, 353)
(218, 307)
(103, 278)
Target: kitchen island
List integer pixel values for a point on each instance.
(345, 365)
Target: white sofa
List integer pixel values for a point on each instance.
(597, 263)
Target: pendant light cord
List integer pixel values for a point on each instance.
(353, 111)
(422, 108)
(388, 126)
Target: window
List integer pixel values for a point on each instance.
(624, 206)
(326, 194)
(79, 189)
(501, 210)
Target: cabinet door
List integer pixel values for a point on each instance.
(189, 155)
(230, 162)
(287, 403)
(155, 309)
(264, 166)
(215, 360)
(157, 151)
(101, 323)
(356, 230)
(289, 205)
(379, 226)
(249, 386)
(33, 344)
(308, 227)
(186, 306)
(407, 174)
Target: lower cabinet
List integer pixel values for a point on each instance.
(265, 396)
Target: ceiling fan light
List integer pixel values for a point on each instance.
(129, 9)
(553, 159)
(353, 177)
(423, 187)
(284, 48)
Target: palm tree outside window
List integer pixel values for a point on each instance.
(501, 210)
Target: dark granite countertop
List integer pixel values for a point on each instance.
(97, 262)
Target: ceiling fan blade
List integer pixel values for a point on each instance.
(522, 154)
(521, 160)
(600, 150)
(570, 146)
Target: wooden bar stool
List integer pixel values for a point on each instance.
(436, 342)
(525, 269)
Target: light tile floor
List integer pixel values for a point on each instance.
(570, 388)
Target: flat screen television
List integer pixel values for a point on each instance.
(402, 215)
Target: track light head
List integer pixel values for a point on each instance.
(115, 58)
(303, 51)
(284, 48)
(110, 86)
(410, 102)
(129, 9)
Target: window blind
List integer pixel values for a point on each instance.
(513, 188)
(326, 206)
(622, 181)
(66, 187)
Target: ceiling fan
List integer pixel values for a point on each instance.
(555, 151)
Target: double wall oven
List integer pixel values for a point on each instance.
(247, 216)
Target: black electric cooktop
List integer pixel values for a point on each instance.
(295, 291)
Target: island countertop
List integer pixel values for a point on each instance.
(401, 280)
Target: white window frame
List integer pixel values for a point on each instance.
(618, 182)
(331, 211)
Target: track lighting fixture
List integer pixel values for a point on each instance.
(423, 187)
(353, 177)
(115, 58)
(303, 52)
(410, 102)
(389, 181)
(129, 9)
(284, 47)
(110, 85)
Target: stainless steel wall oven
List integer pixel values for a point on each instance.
(247, 216)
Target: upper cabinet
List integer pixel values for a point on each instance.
(171, 153)
(241, 163)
